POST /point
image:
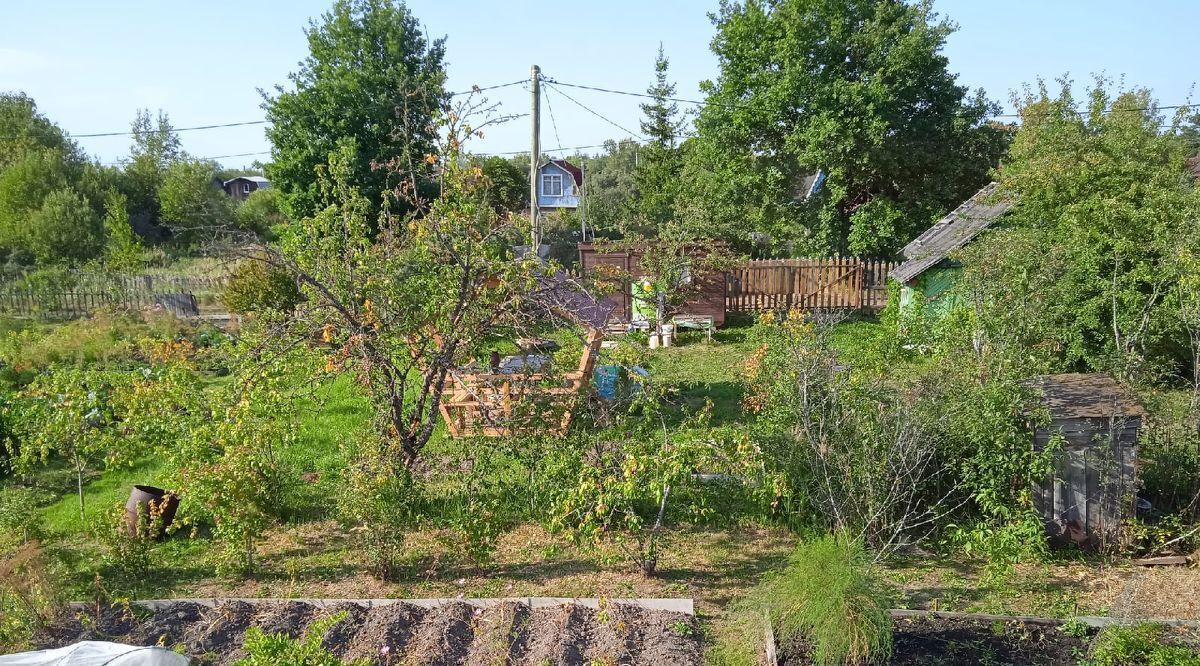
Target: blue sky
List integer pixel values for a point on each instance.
(90, 65)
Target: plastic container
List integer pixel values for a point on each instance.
(668, 334)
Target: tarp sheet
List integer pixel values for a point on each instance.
(97, 653)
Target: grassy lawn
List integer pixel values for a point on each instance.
(700, 370)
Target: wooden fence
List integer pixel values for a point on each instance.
(808, 284)
(74, 294)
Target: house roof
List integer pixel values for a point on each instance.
(810, 185)
(1080, 395)
(955, 230)
(254, 179)
(575, 171)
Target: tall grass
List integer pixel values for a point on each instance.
(829, 598)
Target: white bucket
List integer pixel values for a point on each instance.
(668, 334)
(653, 340)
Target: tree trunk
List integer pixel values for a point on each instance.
(79, 488)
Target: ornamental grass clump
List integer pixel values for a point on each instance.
(829, 599)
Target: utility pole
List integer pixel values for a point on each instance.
(583, 200)
(535, 155)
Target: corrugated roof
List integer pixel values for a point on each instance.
(1085, 395)
(953, 231)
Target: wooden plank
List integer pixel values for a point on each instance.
(1173, 560)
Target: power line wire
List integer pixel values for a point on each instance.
(206, 157)
(597, 114)
(734, 105)
(93, 135)
(476, 89)
(553, 122)
(173, 129)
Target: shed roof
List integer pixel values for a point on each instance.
(254, 179)
(953, 231)
(1085, 395)
(560, 292)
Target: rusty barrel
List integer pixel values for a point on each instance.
(143, 502)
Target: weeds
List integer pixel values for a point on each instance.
(1139, 645)
(30, 597)
(264, 649)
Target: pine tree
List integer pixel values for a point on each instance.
(658, 169)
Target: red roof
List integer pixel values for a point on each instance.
(575, 171)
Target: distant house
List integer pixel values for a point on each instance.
(241, 187)
(559, 184)
(927, 272)
(809, 186)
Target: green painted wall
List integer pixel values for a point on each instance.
(931, 289)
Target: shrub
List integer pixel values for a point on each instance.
(66, 228)
(626, 483)
(227, 466)
(1138, 645)
(829, 596)
(377, 502)
(847, 454)
(20, 521)
(261, 211)
(254, 286)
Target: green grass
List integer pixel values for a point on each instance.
(701, 371)
(101, 494)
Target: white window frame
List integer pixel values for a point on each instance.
(245, 188)
(552, 178)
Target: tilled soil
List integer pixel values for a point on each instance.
(452, 634)
(932, 640)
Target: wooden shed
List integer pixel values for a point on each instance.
(928, 274)
(711, 302)
(1092, 486)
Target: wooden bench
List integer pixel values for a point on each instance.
(695, 322)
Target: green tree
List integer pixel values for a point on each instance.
(373, 77)
(66, 228)
(611, 189)
(1107, 198)
(190, 203)
(155, 148)
(508, 184)
(858, 89)
(24, 185)
(93, 418)
(23, 129)
(122, 250)
(660, 162)
(261, 211)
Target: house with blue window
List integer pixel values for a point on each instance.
(560, 185)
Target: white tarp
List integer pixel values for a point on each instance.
(97, 653)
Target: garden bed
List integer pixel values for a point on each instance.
(955, 640)
(514, 631)
(967, 638)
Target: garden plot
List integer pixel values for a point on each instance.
(448, 631)
(943, 640)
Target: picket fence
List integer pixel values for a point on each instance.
(838, 283)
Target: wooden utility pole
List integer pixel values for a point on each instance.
(582, 200)
(535, 156)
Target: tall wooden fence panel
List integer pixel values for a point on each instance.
(837, 283)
